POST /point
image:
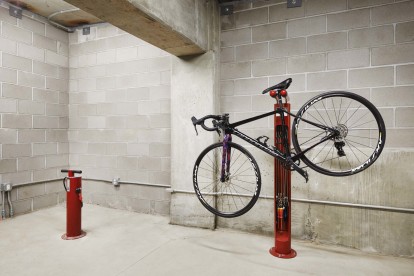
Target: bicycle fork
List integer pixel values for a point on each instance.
(225, 159)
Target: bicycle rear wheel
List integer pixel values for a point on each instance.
(359, 128)
(241, 187)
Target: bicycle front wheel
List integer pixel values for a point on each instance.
(237, 192)
(359, 138)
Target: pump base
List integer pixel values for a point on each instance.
(290, 255)
(65, 237)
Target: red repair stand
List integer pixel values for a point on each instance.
(282, 222)
(74, 205)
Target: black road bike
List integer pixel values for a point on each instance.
(335, 133)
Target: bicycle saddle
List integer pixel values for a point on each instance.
(282, 85)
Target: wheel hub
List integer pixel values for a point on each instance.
(342, 131)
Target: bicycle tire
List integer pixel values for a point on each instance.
(213, 193)
(361, 127)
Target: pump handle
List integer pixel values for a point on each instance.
(74, 171)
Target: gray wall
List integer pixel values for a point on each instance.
(34, 108)
(362, 46)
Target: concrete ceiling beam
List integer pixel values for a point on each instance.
(177, 27)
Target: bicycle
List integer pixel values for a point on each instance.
(336, 133)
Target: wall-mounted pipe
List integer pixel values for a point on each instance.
(324, 202)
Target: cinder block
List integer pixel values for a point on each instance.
(16, 34)
(148, 51)
(400, 138)
(8, 165)
(371, 77)
(307, 63)
(15, 62)
(63, 148)
(148, 79)
(405, 74)
(287, 47)
(31, 52)
(106, 57)
(16, 91)
(307, 26)
(8, 75)
(227, 54)
(40, 202)
(403, 11)
(45, 96)
(404, 116)
(44, 148)
(160, 150)
(262, 103)
(269, 32)
(371, 36)
(57, 135)
(45, 69)
(32, 25)
(87, 60)
(149, 163)
(395, 54)
(57, 59)
(96, 122)
(348, 20)
(106, 162)
(322, 6)
(137, 94)
(334, 80)
(31, 107)
(85, 85)
(235, 70)
(138, 149)
(56, 109)
(252, 51)
(281, 13)
(160, 121)
(5, 17)
(53, 187)
(60, 85)
(404, 32)
(47, 174)
(327, 42)
(125, 54)
(366, 3)
(57, 34)
(115, 122)
(8, 136)
(42, 42)
(250, 86)
(348, 59)
(8, 46)
(31, 135)
(116, 148)
(31, 80)
(45, 122)
(269, 67)
(160, 92)
(8, 106)
(31, 163)
(61, 160)
(96, 148)
(227, 88)
(235, 104)
(236, 37)
(127, 162)
(147, 107)
(17, 121)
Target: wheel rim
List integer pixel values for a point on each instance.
(237, 193)
(358, 140)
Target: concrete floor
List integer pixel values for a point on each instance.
(125, 243)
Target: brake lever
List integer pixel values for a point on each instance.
(217, 128)
(195, 127)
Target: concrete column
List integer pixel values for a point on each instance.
(194, 92)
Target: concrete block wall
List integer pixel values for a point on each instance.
(34, 74)
(366, 47)
(119, 117)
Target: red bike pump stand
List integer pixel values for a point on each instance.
(282, 194)
(74, 203)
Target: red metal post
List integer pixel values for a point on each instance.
(73, 207)
(282, 196)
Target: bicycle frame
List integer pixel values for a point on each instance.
(230, 129)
